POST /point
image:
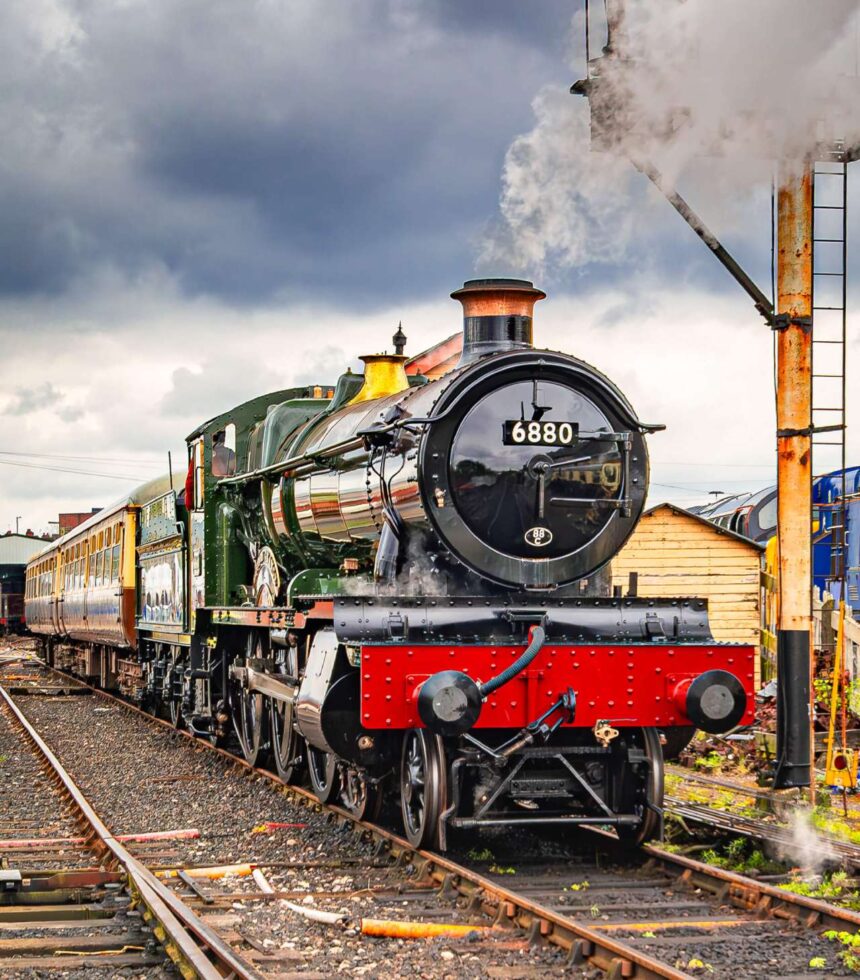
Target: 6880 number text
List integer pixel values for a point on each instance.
(518, 432)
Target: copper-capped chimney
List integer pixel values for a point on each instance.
(497, 316)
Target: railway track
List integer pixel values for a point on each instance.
(585, 906)
(44, 905)
(780, 836)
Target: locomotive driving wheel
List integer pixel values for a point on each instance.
(249, 707)
(422, 786)
(645, 788)
(322, 770)
(286, 741)
(173, 690)
(177, 719)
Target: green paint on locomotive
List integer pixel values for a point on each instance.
(235, 515)
(250, 437)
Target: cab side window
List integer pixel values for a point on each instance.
(224, 451)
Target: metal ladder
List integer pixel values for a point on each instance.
(829, 348)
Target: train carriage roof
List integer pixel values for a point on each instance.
(135, 498)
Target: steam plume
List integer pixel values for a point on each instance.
(684, 80)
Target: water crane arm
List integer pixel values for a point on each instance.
(762, 303)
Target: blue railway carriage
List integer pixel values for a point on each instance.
(827, 542)
(754, 516)
(11, 599)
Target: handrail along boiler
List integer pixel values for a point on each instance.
(406, 579)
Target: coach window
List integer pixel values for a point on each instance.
(224, 451)
(114, 567)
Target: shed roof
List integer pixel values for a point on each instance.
(18, 549)
(438, 359)
(714, 528)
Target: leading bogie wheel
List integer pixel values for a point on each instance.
(422, 786)
(648, 792)
(322, 770)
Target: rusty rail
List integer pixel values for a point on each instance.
(585, 945)
(760, 896)
(185, 936)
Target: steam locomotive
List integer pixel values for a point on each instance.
(400, 580)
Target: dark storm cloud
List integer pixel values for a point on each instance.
(258, 150)
(27, 400)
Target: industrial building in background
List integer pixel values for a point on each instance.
(15, 551)
(68, 522)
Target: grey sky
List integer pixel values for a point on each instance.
(206, 199)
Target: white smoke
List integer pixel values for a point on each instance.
(560, 203)
(747, 83)
(807, 849)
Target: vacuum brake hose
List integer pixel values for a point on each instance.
(537, 638)
(449, 702)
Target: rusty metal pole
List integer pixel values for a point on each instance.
(794, 475)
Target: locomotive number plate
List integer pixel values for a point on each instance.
(518, 432)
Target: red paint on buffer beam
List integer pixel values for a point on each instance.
(636, 685)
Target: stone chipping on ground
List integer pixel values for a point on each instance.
(143, 779)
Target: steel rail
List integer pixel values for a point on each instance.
(616, 958)
(179, 922)
(584, 944)
(779, 834)
(760, 895)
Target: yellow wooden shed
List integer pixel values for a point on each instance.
(675, 553)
